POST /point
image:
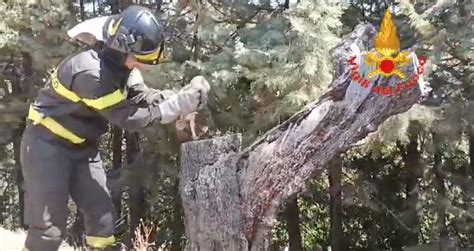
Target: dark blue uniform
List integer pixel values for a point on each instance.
(60, 156)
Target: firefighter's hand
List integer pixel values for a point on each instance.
(190, 98)
(200, 85)
(159, 96)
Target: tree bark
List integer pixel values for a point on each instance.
(115, 179)
(292, 215)
(137, 203)
(471, 154)
(77, 232)
(158, 5)
(373, 232)
(19, 177)
(82, 12)
(231, 197)
(125, 4)
(115, 173)
(469, 187)
(178, 224)
(414, 172)
(17, 73)
(441, 193)
(335, 205)
(115, 7)
(93, 8)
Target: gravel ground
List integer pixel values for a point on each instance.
(13, 241)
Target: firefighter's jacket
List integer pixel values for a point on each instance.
(87, 91)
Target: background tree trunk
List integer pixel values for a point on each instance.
(414, 171)
(231, 197)
(158, 5)
(115, 6)
(372, 231)
(77, 232)
(441, 193)
(136, 203)
(292, 215)
(19, 176)
(82, 12)
(17, 71)
(335, 205)
(469, 187)
(115, 178)
(125, 3)
(115, 173)
(178, 224)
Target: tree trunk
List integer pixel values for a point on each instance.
(19, 71)
(93, 8)
(414, 171)
(441, 194)
(158, 5)
(115, 7)
(469, 187)
(373, 232)
(115, 173)
(19, 176)
(136, 193)
(292, 215)
(231, 197)
(178, 224)
(335, 205)
(115, 178)
(126, 3)
(471, 154)
(81, 6)
(76, 238)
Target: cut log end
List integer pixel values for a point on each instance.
(210, 192)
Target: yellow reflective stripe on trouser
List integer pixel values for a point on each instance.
(98, 103)
(53, 126)
(100, 242)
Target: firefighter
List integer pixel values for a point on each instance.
(96, 86)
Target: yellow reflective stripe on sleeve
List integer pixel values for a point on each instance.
(100, 242)
(105, 101)
(99, 103)
(63, 91)
(53, 126)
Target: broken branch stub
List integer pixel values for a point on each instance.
(231, 197)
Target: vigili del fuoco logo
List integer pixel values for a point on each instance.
(386, 61)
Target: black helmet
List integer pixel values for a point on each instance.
(136, 31)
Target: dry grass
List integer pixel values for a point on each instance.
(143, 238)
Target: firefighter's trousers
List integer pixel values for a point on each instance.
(53, 170)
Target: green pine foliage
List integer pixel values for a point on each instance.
(36, 27)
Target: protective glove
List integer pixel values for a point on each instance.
(158, 96)
(190, 98)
